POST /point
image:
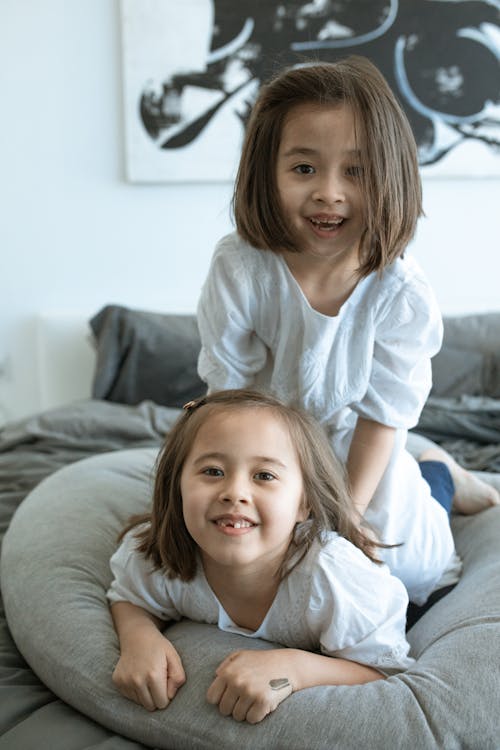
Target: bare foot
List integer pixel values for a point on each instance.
(471, 494)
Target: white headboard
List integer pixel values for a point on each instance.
(65, 358)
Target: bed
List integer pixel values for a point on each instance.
(75, 472)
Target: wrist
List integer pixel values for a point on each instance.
(130, 633)
(297, 670)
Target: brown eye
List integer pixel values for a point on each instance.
(265, 476)
(213, 471)
(304, 169)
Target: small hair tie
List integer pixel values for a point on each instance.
(194, 404)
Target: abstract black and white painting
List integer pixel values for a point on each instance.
(192, 70)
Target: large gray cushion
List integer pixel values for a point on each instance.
(55, 573)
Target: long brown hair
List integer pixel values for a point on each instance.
(165, 540)
(390, 180)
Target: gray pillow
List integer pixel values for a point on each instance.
(55, 573)
(145, 356)
(469, 361)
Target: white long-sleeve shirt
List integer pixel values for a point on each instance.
(371, 360)
(335, 600)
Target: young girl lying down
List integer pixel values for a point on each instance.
(252, 529)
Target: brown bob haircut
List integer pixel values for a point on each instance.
(165, 539)
(390, 179)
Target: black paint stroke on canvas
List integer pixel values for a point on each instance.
(441, 58)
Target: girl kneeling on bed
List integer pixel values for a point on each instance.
(252, 529)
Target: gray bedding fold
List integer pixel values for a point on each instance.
(91, 426)
(468, 427)
(34, 447)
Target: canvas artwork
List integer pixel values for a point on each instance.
(192, 70)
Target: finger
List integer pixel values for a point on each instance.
(258, 711)
(261, 708)
(158, 691)
(216, 691)
(176, 675)
(130, 692)
(143, 697)
(241, 708)
(173, 686)
(228, 702)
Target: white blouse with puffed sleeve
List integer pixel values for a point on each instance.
(373, 360)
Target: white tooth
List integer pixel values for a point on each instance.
(236, 525)
(332, 221)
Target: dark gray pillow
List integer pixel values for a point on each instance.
(469, 361)
(146, 356)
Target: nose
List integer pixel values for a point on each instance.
(330, 188)
(236, 489)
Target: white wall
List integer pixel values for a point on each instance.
(75, 236)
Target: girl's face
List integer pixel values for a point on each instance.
(317, 170)
(242, 491)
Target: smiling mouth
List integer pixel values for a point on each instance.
(326, 225)
(242, 524)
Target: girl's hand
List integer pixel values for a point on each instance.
(149, 670)
(242, 687)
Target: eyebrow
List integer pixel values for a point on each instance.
(305, 151)
(216, 456)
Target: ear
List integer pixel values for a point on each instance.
(303, 511)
